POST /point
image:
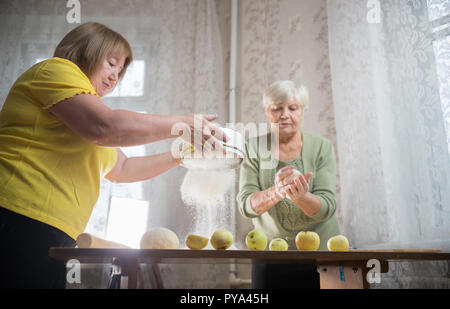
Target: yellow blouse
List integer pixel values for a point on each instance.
(47, 171)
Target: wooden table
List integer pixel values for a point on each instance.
(337, 269)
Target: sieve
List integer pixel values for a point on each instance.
(232, 159)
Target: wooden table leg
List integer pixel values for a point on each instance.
(154, 276)
(151, 277)
(129, 269)
(157, 274)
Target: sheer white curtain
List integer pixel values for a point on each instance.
(391, 134)
(390, 122)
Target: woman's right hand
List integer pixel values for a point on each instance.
(202, 133)
(280, 184)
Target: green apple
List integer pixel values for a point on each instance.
(221, 239)
(256, 240)
(278, 244)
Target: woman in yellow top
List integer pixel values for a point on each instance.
(57, 139)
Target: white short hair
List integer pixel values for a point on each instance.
(285, 90)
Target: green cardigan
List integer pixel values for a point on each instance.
(286, 219)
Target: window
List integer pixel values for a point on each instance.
(113, 199)
(127, 221)
(127, 218)
(132, 84)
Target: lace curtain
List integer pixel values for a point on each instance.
(391, 124)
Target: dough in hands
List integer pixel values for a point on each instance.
(293, 176)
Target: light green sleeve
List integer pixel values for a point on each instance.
(324, 182)
(248, 183)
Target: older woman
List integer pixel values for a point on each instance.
(282, 207)
(57, 140)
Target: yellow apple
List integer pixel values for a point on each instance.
(338, 243)
(307, 241)
(196, 242)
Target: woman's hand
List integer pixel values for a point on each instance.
(280, 182)
(202, 133)
(297, 189)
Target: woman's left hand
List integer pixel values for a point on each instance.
(299, 188)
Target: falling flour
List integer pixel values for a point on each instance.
(207, 187)
(207, 195)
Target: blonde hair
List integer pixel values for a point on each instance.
(285, 90)
(89, 44)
